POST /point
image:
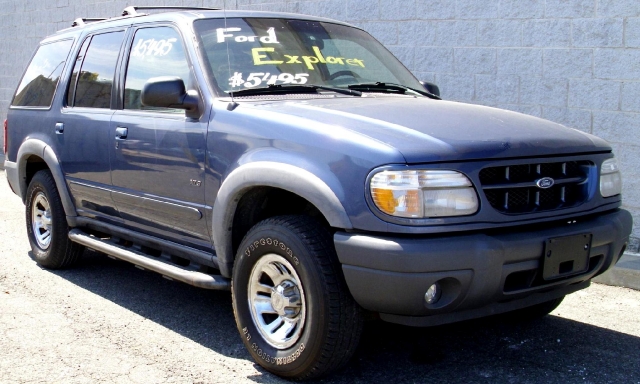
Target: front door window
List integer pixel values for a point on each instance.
(155, 52)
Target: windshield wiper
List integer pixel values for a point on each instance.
(389, 87)
(283, 89)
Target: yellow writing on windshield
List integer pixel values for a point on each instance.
(260, 57)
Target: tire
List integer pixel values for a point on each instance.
(47, 227)
(536, 311)
(290, 301)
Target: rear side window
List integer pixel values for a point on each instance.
(41, 78)
(76, 70)
(94, 82)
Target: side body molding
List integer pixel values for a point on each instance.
(269, 174)
(34, 147)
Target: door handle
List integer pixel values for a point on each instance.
(59, 128)
(121, 133)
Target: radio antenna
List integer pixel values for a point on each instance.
(232, 105)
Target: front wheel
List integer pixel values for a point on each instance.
(47, 224)
(291, 304)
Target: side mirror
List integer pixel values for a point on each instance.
(431, 88)
(170, 92)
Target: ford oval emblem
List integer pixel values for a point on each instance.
(545, 183)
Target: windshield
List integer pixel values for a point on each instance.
(264, 52)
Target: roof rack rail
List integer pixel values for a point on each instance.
(133, 10)
(81, 21)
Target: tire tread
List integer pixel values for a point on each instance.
(345, 316)
(62, 252)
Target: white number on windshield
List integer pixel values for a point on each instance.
(256, 79)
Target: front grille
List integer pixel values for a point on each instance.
(513, 189)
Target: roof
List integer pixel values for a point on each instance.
(189, 15)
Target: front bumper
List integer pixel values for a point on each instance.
(480, 273)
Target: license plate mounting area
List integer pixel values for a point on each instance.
(565, 256)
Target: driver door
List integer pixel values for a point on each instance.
(158, 154)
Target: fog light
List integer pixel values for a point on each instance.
(433, 294)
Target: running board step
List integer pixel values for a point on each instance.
(171, 271)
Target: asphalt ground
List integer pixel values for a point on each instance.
(108, 322)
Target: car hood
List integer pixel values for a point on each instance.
(426, 130)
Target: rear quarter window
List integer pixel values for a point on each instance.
(39, 82)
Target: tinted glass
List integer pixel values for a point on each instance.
(41, 78)
(98, 67)
(262, 52)
(155, 52)
(76, 69)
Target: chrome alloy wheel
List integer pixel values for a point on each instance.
(276, 300)
(41, 221)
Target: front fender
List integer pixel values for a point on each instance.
(34, 147)
(269, 174)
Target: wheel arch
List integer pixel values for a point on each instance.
(275, 176)
(35, 155)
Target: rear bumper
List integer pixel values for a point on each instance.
(480, 273)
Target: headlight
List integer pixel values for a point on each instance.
(610, 178)
(423, 194)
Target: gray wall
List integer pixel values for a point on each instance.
(576, 62)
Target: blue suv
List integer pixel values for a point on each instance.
(294, 161)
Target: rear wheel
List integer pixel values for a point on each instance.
(47, 224)
(292, 306)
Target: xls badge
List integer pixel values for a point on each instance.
(545, 183)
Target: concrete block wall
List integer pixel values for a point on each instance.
(576, 62)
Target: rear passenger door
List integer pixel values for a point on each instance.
(158, 154)
(83, 129)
